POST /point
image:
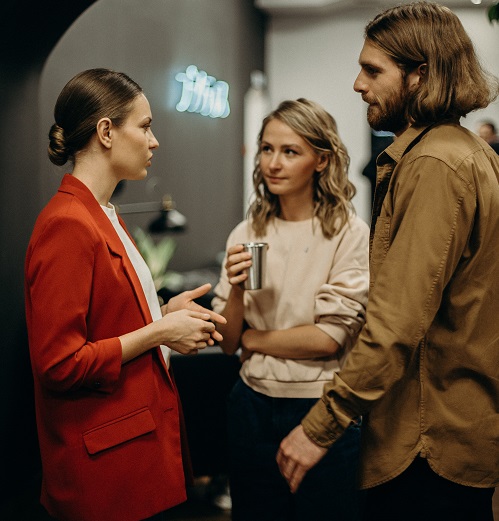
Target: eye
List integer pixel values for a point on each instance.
(290, 152)
(371, 71)
(265, 148)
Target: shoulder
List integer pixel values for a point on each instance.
(65, 218)
(354, 229)
(243, 232)
(450, 154)
(353, 239)
(449, 143)
(64, 207)
(357, 224)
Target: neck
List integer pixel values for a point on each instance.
(97, 180)
(296, 209)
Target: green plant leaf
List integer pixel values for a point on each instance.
(157, 256)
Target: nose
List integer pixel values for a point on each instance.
(153, 142)
(275, 161)
(359, 85)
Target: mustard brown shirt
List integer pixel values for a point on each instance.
(426, 364)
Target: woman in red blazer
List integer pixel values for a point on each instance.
(108, 413)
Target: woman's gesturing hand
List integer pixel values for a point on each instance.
(184, 331)
(188, 331)
(185, 300)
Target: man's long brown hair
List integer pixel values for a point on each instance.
(454, 83)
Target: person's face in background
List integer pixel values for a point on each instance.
(288, 162)
(133, 142)
(383, 86)
(486, 133)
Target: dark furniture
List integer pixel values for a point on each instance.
(204, 382)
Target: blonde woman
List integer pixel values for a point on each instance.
(296, 331)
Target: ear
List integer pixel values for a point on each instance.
(322, 162)
(104, 129)
(414, 78)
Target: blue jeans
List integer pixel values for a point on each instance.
(257, 425)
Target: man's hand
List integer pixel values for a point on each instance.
(297, 455)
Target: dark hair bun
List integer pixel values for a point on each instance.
(57, 150)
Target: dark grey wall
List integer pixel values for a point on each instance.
(27, 33)
(199, 160)
(18, 195)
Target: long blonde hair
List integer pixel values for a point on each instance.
(333, 190)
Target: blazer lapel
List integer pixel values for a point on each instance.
(74, 186)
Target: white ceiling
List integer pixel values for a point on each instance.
(298, 7)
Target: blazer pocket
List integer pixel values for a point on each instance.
(119, 430)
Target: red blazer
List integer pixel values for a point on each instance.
(109, 434)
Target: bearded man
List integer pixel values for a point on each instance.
(424, 372)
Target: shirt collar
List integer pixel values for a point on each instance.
(402, 143)
(406, 141)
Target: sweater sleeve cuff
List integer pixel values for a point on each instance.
(338, 334)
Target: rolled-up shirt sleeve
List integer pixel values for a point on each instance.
(340, 303)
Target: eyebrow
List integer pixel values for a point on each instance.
(285, 145)
(367, 63)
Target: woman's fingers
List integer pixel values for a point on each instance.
(238, 261)
(199, 291)
(216, 336)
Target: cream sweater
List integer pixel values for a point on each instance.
(309, 280)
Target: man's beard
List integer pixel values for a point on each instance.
(390, 114)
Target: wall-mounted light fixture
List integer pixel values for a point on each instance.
(169, 220)
(203, 94)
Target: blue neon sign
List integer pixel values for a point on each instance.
(203, 94)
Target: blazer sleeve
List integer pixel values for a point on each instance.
(59, 288)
